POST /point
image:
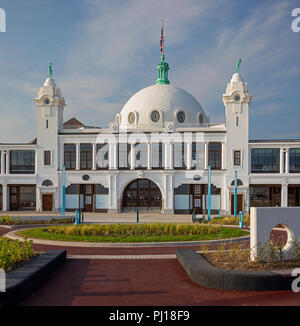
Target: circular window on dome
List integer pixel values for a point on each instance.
(155, 116)
(131, 117)
(180, 116)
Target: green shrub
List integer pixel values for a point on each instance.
(13, 252)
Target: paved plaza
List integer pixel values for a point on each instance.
(136, 276)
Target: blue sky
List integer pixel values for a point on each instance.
(105, 51)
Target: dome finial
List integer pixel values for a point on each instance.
(162, 67)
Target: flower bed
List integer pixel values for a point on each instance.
(8, 220)
(158, 232)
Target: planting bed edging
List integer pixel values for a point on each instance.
(21, 282)
(205, 274)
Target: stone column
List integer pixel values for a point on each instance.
(115, 156)
(223, 158)
(189, 156)
(2, 163)
(7, 161)
(77, 156)
(4, 197)
(113, 194)
(171, 156)
(94, 157)
(287, 160)
(205, 156)
(281, 163)
(149, 155)
(284, 195)
(166, 155)
(38, 199)
(132, 156)
(168, 205)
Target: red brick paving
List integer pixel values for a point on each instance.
(140, 283)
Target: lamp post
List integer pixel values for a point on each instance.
(235, 193)
(209, 194)
(63, 190)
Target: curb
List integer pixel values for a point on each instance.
(85, 244)
(203, 273)
(21, 282)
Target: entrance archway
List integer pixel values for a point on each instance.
(142, 193)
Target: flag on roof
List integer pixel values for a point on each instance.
(162, 38)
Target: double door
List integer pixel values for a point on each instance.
(88, 197)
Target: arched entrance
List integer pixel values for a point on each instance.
(142, 193)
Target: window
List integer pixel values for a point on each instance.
(237, 158)
(102, 159)
(46, 124)
(70, 156)
(179, 155)
(215, 155)
(265, 160)
(158, 155)
(201, 118)
(124, 156)
(86, 156)
(265, 196)
(22, 162)
(141, 156)
(180, 116)
(197, 156)
(294, 160)
(237, 121)
(155, 116)
(47, 157)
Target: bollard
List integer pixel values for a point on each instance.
(77, 216)
(241, 219)
(194, 216)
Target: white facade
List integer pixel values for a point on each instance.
(159, 114)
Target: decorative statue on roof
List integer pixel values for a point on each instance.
(238, 65)
(50, 70)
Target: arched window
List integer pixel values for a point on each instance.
(200, 118)
(47, 183)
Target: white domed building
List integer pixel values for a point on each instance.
(155, 156)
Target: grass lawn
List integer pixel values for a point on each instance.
(132, 233)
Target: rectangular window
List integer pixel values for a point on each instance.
(294, 160)
(22, 162)
(179, 155)
(102, 157)
(197, 156)
(294, 195)
(47, 157)
(265, 196)
(141, 156)
(124, 155)
(215, 155)
(237, 158)
(158, 155)
(86, 156)
(265, 160)
(70, 156)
